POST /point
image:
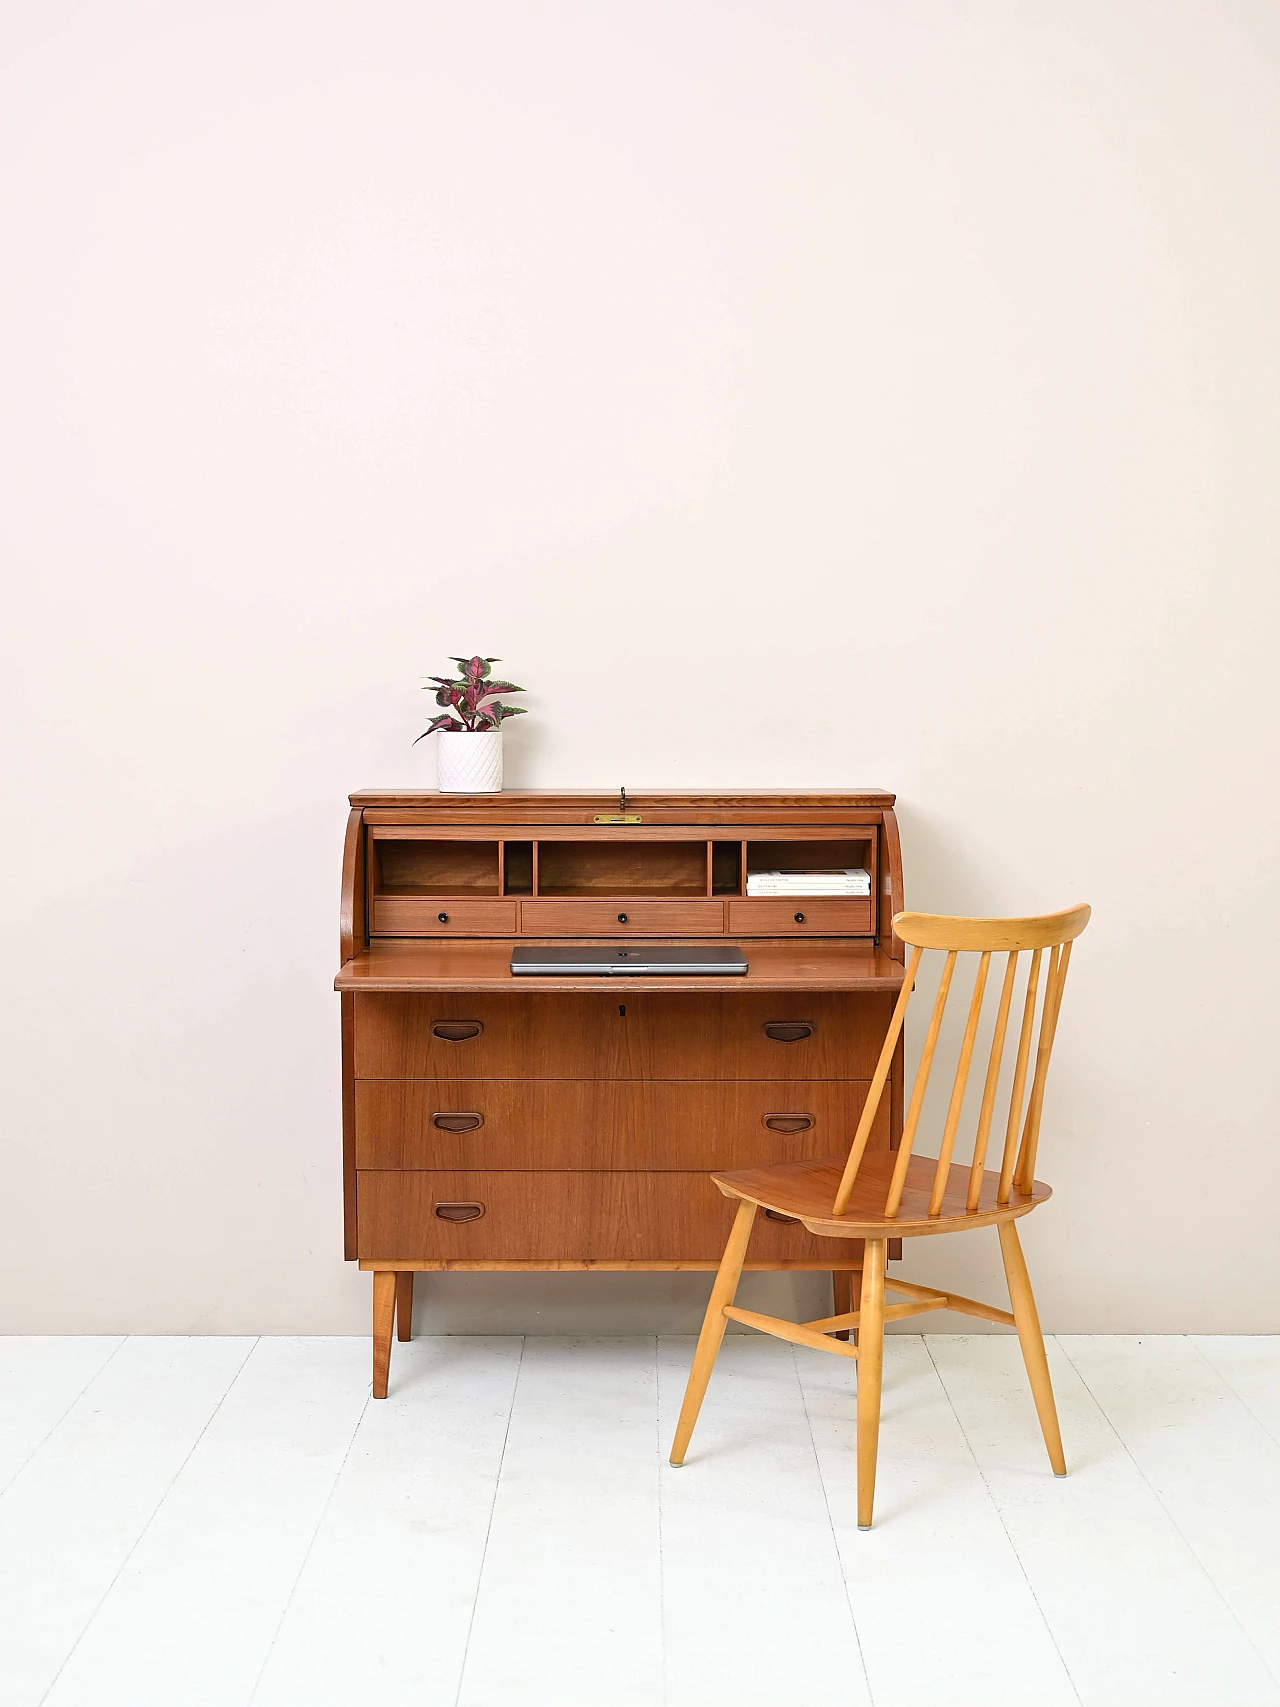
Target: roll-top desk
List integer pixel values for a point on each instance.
(494, 1122)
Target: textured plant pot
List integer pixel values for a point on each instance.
(469, 764)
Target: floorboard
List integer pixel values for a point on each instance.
(189, 1620)
(938, 1543)
(1137, 1619)
(234, 1523)
(756, 1609)
(568, 1611)
(382, 1607)
(71, 1518)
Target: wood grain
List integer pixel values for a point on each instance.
(486, 966)
(807, 1189)
(892, 900)
(795, 1332)
(817, 916)
(598, 1265)
(542, 1216)
(624, 864)
(695, 805)
(440, 915)
(870, 1370)
(565, 1124)
(659, 1036)
(348, 1024)
(1032, 1342)
(404, 1305)
(944, 931)
(351, 915)
(384, 1312)
(620, 918)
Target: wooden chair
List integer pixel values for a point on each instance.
(903, 1195)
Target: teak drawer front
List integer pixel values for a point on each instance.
(532, 1217)
(622, 918)
(440, 915)
(810, 1035)
(598, 1124)
(801, 917)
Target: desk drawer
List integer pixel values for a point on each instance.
(416, 915)
(801, 918)
(622, 918)
(624, 1034)
(569, 1124)
(545, 1217)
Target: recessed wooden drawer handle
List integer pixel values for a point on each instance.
(772, 1215)
(457, 1122)
(459, 1211)
(788, 1122)
(788, 1030)
(456, 1030)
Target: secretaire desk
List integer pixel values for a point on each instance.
(493, 1122)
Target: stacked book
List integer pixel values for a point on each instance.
(832, 880)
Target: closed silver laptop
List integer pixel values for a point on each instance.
(639, 960)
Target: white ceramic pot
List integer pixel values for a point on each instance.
(469, 763)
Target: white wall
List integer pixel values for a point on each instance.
(791, 393)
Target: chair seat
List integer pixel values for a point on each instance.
(805, 1191)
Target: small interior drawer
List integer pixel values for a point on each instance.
(437, 915)
(621, 918)
(801, 917)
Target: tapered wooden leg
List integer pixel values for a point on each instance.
(846, 1285)
(714, 1324)
(404, 1304)
(1023, 1302)
(384, 1310)
(870, 1365)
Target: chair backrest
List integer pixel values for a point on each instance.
(984, 937)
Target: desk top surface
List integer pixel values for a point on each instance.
(505, 800)
(486, 966)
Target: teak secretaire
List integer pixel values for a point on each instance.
(491, 1122)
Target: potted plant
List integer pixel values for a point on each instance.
(470, 746)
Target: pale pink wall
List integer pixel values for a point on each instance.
(790, 393)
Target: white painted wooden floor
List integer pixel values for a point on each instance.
(226, 1521)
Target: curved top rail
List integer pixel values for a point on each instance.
(941, 930)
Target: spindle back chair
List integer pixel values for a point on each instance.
(907, 1195)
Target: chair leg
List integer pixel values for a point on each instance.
(846, 1285)
(870, 1366)
(714, 1324)
(384, 1310)
(1032, 1342)
(404, 1304)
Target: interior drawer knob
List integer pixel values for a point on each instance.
(777, 1215)
(799, 918)
(443, 918)
(788, 1122)
(788, 1030)
(456, 1030)
(622, 918)
(458, 1211)
(462, 1121)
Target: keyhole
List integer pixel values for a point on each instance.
(622, 1009)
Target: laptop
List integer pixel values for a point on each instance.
(654, 960)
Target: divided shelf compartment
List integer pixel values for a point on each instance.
(452, 883)
(799, 915)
